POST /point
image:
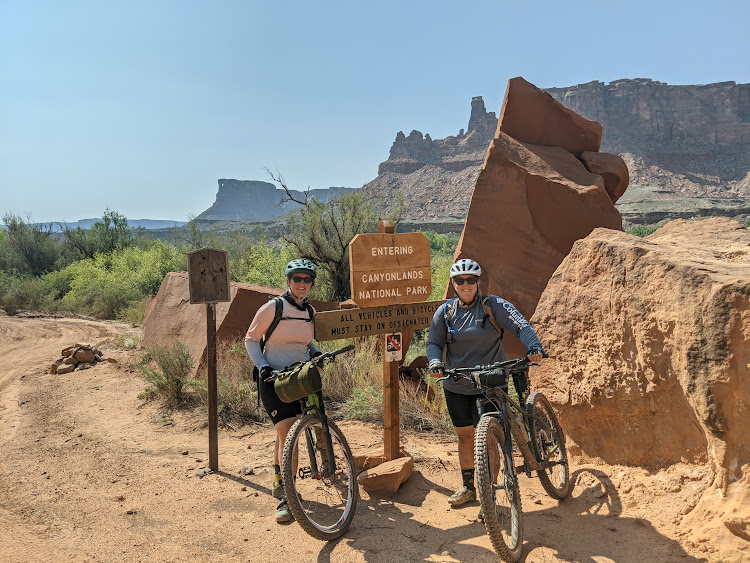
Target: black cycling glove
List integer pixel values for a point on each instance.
(266, 372)
(437, 368)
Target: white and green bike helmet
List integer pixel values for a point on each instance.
(300, 265)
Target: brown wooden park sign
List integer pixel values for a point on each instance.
(351, 323)
(389, 268)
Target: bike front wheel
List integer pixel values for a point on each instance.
(548, 445)
(497, 488)
(323, 502)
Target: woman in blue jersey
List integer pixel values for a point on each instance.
(470, 339)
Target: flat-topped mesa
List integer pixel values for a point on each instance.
(257, 201)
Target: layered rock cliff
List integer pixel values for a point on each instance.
(687, 148)
(258, 201)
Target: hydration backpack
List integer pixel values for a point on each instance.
(450, 310)
(276, 320)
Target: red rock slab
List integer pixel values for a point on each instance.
(533, 116)
(388, 476)
(373, 458)
(611, 168)
(529, 206)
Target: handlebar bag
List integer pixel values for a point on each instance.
(494, 378)
(297, 382)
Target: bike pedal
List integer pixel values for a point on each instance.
(304, 472)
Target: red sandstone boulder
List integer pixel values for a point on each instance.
(388, 476)
(169, 316)
(650, 366)
(530, 204)
(611, 168)
(533, 116)
(534, 198)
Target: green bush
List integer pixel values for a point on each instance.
(167, 371)
(133, 312)
(441, 243)
(109, 284)
(643, 230)
(440, 265)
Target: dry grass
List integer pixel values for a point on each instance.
(352, 387)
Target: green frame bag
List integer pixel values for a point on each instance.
(298, 382)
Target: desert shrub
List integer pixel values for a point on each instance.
(747, 224)
(421, 414)
(440, 265)
(167, 371)
(441, 243)
(29, 248)
(108, 284)
(133, 312)
(236, 393)
(365, 404)
(643, 230)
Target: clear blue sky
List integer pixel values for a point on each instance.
(141, 106)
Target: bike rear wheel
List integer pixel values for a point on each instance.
(548, 444)
(322, 503)
(497, 488)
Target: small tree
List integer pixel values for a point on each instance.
(111, 233)
(31, 247)
(322, 231)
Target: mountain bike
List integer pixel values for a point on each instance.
(538, 436)
(319, 475)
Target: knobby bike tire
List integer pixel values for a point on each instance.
(323, 506)
(497, 488)
(548, 444)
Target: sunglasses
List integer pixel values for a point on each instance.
(302, 279)
(460, 281)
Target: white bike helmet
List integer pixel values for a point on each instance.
(465, 266)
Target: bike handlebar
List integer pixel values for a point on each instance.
(317, 360)
(492, 375)
(331, 355)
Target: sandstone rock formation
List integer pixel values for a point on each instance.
(650, 355)
(530, 115)
(388, 476)
(689, 145)
(686, 141)
(533, 201)
(169, 316)
(258, 201)
(436, 175)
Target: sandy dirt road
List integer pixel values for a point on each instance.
(89, 472)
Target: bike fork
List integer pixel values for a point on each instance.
(326, 452)
(511, 475)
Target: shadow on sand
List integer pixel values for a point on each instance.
(589, 526)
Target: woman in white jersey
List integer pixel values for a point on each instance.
(290, 342)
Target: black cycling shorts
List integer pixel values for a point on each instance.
(463, 408)
(277, 409)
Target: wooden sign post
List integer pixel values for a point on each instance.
(208, 281)
(387, 269)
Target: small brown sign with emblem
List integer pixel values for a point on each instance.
(208, 275)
